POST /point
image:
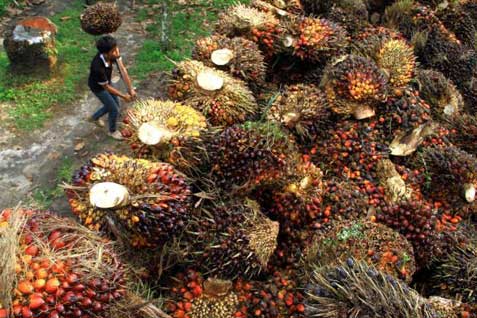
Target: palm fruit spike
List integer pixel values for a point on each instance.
(101, 18)
(455, 276)
(363, 240)
(149, 201)
(223, 99)
(350, 14)
(236, 240)
(57, 268)
(450, 166)
(444, 98)
(314, 39)
(152, 126)
(251, 155)
(259, 26)
(302, 109)
(354, 85)
(239, 56)
(356, 289)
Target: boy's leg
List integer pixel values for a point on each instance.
(110, 106)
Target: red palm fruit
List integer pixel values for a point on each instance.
(52, 285)
(31, 250)
(25, 287)
(3, 313)
(36, 301)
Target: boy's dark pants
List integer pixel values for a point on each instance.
(111, 106)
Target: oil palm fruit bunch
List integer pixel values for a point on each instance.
(442, 95)
(101, 18)
(391, 52)
(460, 22)
(53, 267)
(148, 201)
(239, 56)
(356, 289)
(298, 203)
(366, 241)
(354, 86)
(250, 155)
(302, 109)
(352, 15)
(453, 166)
(223, 99)
(455, 276)
(232, 239)
(463, 133)
(350, 151)
(315, 7)
(194, 296)
(152, 127)
(262, 27)
(314, 39)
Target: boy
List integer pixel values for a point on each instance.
(100, 83)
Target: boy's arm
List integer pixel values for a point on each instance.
(126, 78)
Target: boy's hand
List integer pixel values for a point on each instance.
(127, 98)
(133, 93)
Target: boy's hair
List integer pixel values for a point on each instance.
(106, 43)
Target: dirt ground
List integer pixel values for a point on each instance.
(31, 160)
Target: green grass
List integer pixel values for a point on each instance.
(43, 197)
(4, 4)
(184, 25)
(32, 98)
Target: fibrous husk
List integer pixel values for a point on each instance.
(101, 18)
(223, 99)
(356, 289)
(239, 56)
(59, 267)
(446, 101)
(153, 127)
(392, 182)
(354, 85)
(231, 239)
(302, 109)
(155, 209)
(366, 241)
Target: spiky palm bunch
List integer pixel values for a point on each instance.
(101, 18)
(315, 39)
(53, 267)
(302, 109)
(231, 239)
(356, 289)
(440, 93)
(244, 157)
(446, 166)
(241, 57)
(456, 274)
(148, 201)
(353, 82)
(366, 241)
(223, 99)
(152, 127)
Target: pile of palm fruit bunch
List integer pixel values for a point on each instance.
(54, 267)
(315, 159)
(101, 18)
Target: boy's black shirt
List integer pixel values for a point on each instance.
(99, 74)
